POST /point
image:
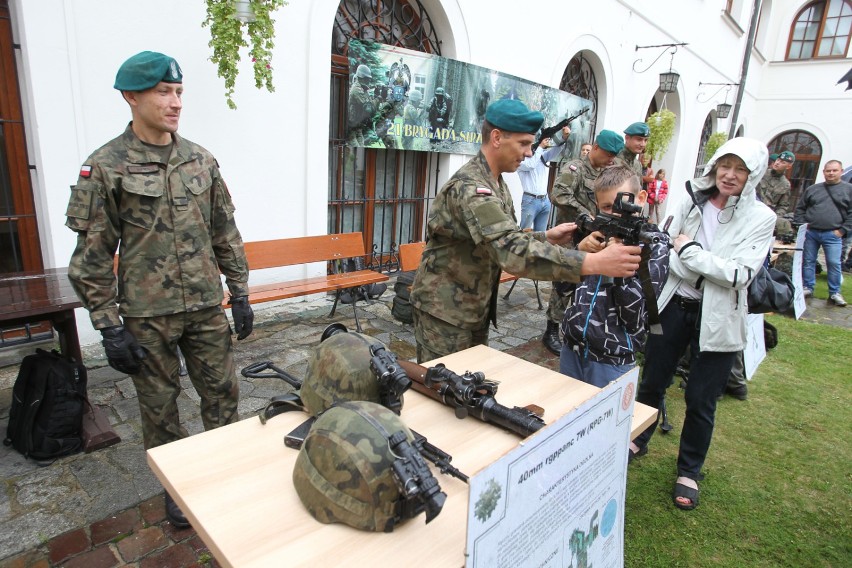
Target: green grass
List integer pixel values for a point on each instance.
(778, 486)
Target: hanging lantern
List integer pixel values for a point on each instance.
(668, 81)
(723, 110)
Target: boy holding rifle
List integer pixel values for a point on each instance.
(608, 321)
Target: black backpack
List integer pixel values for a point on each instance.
(401, 306)
(48, 400)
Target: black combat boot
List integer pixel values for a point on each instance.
(551, 338)
(174, 514)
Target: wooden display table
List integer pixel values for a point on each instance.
(235, 483)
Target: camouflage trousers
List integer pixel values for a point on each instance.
(204, 338)
(436, 338)
(560, 298)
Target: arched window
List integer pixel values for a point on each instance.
(579, 79)
(382, 193)
(821, 29)
(808, 153)
(702, 158)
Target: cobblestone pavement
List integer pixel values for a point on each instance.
(106, 508)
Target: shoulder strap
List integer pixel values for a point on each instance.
(837, 205)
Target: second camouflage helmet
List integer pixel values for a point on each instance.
(339, 370)
(344, 470)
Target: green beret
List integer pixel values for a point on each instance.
(512, 115)
(144, 70)
(638, 129)
(610, 141)
(787, 156)
(773, 157)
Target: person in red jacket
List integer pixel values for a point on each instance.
(658, 190)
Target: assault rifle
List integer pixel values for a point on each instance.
(292, 401)
(625, 222)
(472, 395)
(551, 130)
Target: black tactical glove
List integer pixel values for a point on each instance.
(243, 316)
(122, 350)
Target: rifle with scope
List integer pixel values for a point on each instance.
(626, 222)
(472, 394)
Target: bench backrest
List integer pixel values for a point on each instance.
(409, 255)
(303, 250)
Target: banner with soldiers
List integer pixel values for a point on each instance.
(410, 100)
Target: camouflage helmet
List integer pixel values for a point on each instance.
(339, 370)
(364, 72)
(416, 96)
(344, 471)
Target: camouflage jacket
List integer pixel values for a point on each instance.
(361, 108)
(629, 159)
(573, 192)
(774, 190)
(172, 224)
(473, 235)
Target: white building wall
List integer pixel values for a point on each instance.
(273, 150)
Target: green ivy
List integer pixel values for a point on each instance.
(226, 39)
(662, 125)
(713, 143)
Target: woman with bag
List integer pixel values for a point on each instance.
(723, 234)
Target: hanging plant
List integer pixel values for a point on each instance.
(713, 143)
(662, 125)
(226, 39)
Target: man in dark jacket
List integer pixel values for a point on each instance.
(827, 209)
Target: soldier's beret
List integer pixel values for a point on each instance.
(638, 129)
(145, 69)
(787, 156)
(512, 115)
(773, 157)
(610, 141)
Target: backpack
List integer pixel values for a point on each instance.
(48, 401)
(401, 307)
(371, 291)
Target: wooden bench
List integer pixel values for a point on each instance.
(409, 259)
(305, 250)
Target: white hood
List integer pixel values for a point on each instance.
(752, 152)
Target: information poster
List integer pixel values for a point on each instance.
(557, 500)
(755, 349)
(799, 304)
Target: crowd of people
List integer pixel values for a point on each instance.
(159, 201)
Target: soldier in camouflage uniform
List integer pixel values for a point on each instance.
(160, 200)
(362, 107)
(472, 234)
(774, 190)
(572, 194)
(635, 140)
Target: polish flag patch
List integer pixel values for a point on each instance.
(483, 191)
(86, 171)
(572, 167)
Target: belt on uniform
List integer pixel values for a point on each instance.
(534, 196)
(687, 304)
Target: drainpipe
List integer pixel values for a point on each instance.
(752, 30)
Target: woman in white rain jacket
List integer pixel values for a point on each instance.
(722, 236)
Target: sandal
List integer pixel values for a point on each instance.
(685, 492)
(640, 452)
